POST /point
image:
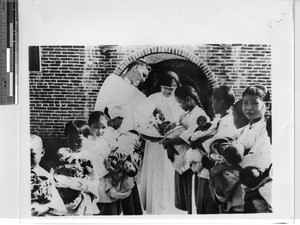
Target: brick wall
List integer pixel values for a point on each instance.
(67, 85)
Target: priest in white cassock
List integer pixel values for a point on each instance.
(123, 90)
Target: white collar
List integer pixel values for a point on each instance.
(259, 123)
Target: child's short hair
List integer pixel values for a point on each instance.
(95, 117)
(259, 91)
(77, 127)
(226, 93)
(234, 153)
(36, 142)
(201, 119)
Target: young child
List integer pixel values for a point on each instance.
(258, 189)
(45, 199)
(189, 101)
(222, 99)
(115, 114)
(254, 136)
(194, 155)
(96, 142)
(76, 176)
(98, 125)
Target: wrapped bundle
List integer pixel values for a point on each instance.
(40, 188)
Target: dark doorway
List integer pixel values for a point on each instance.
(189, 74)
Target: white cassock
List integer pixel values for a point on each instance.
(137, 107)
(157, 178)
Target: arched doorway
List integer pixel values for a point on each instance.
(191, 70)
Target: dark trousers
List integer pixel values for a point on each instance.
(132, 204)
(205, 203)
(183, 191)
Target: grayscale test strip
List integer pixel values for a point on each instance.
(8, 51)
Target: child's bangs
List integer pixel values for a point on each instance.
(258, 91)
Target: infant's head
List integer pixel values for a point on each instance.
(36, 150)
(226, 150)
(201, 121)
(234, 153)
(130, 168)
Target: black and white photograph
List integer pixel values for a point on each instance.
(165, 129)
(116, 125)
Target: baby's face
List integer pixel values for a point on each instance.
(36, 154)
(217, 157)
(128, 166)
(201, 122)
(98, 128)
(74, 141)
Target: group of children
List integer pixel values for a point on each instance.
(227, 154)
(230, 157)
(96, 170)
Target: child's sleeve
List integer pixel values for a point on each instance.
(56, 204)
(185, 135)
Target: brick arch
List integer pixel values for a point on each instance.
(169, 50)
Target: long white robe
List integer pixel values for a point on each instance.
(157, 178)
(137, 107)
